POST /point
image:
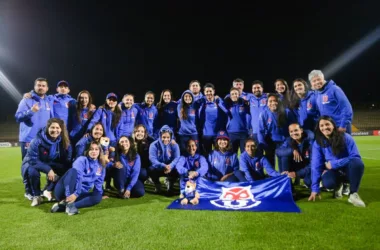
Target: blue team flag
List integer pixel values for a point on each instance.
(269, 195)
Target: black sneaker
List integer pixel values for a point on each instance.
(58, 207)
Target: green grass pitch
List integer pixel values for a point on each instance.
(145, 223)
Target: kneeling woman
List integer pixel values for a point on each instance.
(192, 166)
(223, 163)
(126, 169)
(164, 156)
(335, 160)
(252, 164)
(73, 189)
(50, 153)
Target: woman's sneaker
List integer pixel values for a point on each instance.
(346, 188)
(58, 207)
(338, 192)
(355, 200)
(37, 200)
(28, 196)
(71, 209)
(47, 195)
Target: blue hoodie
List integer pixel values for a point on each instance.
(61, 106)
(212, 116)
(90, 175)
(77, 128)
(190, 125)
(45, 154)
(268, 126)
(221, 164)
(132, 170)
(81, 145)
(168, 116)
(332, 101)
(31, 122)
(151, 115)
(321, 155)
(237, 113)
(304, 149)
(250, 164)
(189, 163)
(105, 117)
(257, 105)
(307, 112)
(161, 155)
(128, 120)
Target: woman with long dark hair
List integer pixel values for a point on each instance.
(126, 169)
(80, 115)
(273, 127)
(302, 102)
(143, 142)
(335, 159)
(96, 132)
(50, 153)
(167, 112)
(73, 189)
(282, 89)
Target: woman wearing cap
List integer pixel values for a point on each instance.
(192, 166)
(164, 156)
(126, 169)
(80, 115)
(109, 115)
(143, 142)
(238, 119)
(273, 127)
(335, 159)
(50, 153)
(189, 120)
(130, 117)
(167, 112)
(73, 189)
(223, 162)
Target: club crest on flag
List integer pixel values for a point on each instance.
(236, 198)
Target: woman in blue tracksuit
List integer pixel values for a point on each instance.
(50, 153)
(223, 162)
(335, 159)
(295, 154)
(143, 142)
(212, 117)
(167, 112)
(109, 115)
(282, 89)
(73, 189)
(164, 156)
(189, 120)
(96, 132)
(80, 115)
(131, 116)
(304, 105)
(273, 127)
(126, 169)
(252, 164)
(238, 119)
(150, 113)
(192, 166)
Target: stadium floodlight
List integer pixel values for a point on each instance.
(10, 88)
(352, 53)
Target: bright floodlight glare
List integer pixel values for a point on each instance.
(352, 53)
(10, 88)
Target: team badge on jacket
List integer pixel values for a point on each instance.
(236, 198)
(99, 171)
(325, 99)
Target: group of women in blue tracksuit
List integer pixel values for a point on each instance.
(198, 136)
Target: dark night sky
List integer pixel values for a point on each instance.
(141, 45)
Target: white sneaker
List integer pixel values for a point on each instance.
(28, 196)
(355, 200)
(36, 201)
(47, 195)
(338, 192)
(346, 188)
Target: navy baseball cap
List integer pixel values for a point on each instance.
(111, 95)
(222, 135)
(63, 82)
